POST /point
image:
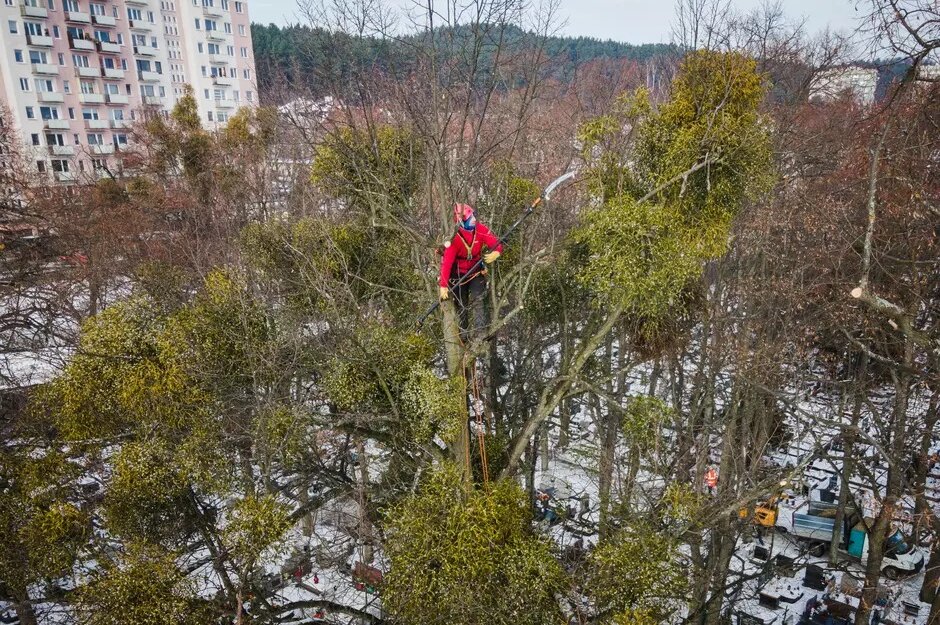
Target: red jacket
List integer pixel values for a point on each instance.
(466, 248)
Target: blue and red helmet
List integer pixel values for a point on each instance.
(465, 216)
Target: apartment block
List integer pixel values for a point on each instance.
(76, 73)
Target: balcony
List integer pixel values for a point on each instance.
(112, 73)
(39, 12)
(139, 3)
(140, 25)
(51, 96)
(101, 149)
(224, 81)
(153, 100)
(64, 176)
(56, 124)
(218, 59)
(40, 41)
(78, 16)
(81, 44)
(212, 11)
(91, 98)
(97, 124)
(104, 20)
(224, 103)
(146, 76)
(119, 124)
(216, 35)
(109, 47)
(61, 150)
(45, 68)
(145, 51)
(87, 72)
(117, 98)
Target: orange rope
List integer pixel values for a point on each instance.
(481, 429)
(478, 416)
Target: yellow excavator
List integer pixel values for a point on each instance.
(764, 513)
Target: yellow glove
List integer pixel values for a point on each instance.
(444, 292)
(492, 256)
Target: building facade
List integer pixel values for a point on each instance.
(861, 82)
(75, 74)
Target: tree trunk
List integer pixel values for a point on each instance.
(24, 611)
(896, 466)
(848, 457)
(923, 514)
(365, 524)
(609, 430)
(934, 618)
(543, 446)
(930, 590)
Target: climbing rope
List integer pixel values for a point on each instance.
(481, 428)
(478, 412)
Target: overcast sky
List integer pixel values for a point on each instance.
(631, 21)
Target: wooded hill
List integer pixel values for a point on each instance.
(292, 52)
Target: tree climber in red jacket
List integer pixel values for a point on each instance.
(460, 256)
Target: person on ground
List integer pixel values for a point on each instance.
(460, 273)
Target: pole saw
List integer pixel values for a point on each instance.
(544, 196)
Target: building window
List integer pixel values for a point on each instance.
(66, 87)
(209, 115)
(198, 21)
(248, 96)
(13, 28)
(34, 138)
(71, 113)
(244, 53)
(238, 7)
(24, 84)
(61, 58)
(18, 56)
(241, 30)
(199, 47)
(41, 166)
(30, 114)
(56, 33)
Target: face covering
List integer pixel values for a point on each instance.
(469, 224)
